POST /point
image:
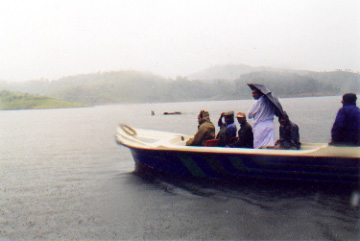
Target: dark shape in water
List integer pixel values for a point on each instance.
(173, 113)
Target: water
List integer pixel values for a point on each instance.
(64, 177)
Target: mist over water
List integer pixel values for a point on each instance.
(64, 177)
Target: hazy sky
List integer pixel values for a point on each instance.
(51, 39)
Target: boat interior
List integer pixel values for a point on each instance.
(152, 139)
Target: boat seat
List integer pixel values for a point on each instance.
(213, 142)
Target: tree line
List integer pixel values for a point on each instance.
(139, 87)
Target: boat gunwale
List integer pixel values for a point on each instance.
(214, 150)
(226, 150)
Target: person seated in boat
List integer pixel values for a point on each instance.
(206, 130)
(346, 128)
(245, 137)
(288, 133)
(227, 129)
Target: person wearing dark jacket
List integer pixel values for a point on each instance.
(206, 130)
(346, 128)
(245, 135)
(227, 129)
(288, 133)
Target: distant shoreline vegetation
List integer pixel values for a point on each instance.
(225, 82)
(18, 101)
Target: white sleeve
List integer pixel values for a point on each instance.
(253, 109)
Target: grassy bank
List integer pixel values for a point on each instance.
(17, 101)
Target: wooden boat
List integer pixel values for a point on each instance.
(166, 152)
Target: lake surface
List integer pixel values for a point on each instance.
(64, 177)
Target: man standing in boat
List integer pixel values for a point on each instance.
(227, 129)
(346, 128)
(262, 112)
(206, 130)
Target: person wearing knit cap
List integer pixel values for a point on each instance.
(206, 130)
(346, 128)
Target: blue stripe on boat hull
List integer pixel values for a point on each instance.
(219, 165)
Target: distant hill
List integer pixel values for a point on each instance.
(226, 72)
(141, 87)
(15, 101)
(332, 82)
(285, 82)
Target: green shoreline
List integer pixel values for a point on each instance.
(24, 101)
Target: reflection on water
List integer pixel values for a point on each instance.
(268, 189)
(293, 201)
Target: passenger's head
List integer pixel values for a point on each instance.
(241, 117)
(256, 94)
(349, 98)
(284, 118)
(203, 115)
(229, 117)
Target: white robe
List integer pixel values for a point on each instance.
(262, 112)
